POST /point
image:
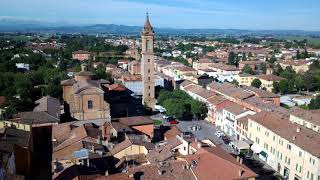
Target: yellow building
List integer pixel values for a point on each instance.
(299, 66)
(267, 81)
(129, 148)
(245, 79)
(289, 148)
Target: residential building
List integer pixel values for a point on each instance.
(224, 72)
(254, 65)
(268, 80)
(307, 118)
(299, 66)
(134, 67)
(289, 148)
(81, 55)
(202, 64)
(230, 114)
(244, 79)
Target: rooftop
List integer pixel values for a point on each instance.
(235, 109)
(312, 116)
(270, 77)
(304, 138)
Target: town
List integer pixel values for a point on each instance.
(76, 106)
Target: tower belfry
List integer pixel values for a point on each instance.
(147, 64)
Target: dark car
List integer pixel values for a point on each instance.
(226, 140)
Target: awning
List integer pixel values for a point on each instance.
(256, 148)
(264, 154)
(241, 145)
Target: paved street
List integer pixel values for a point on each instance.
(206, 131)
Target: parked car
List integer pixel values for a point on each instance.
(226, 140)
(219, 134)
(169, 118)
(174, 121)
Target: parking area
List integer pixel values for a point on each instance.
(204, 130)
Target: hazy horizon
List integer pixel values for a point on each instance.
(178, 14)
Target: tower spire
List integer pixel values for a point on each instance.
(147, 25)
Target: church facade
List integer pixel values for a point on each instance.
(85, 97)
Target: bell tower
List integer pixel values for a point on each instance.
(147, 64)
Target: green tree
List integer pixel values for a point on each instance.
(273, 59)
(298, 54)
(299, 82)
(263, 68)
(283, 86)
(232, 58)
(23, 86)
(247, 69)
(244, 57)
(314, 103)
(275, 86)
(256, 83)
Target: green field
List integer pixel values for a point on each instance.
(312, 41)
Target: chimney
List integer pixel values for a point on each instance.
(160, 172)
(298, 129)
(199, 145)
(238, 159)
(83, 67)
(106, 173)
(294, 138)
(92, 148)
(241, 160)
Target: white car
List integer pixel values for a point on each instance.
(219, 134)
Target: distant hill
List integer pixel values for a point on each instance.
(13, 25)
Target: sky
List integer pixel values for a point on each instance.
(222, 14)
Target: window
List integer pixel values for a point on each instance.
(90, 104)
(257, 140)
(274, 138)
(289, 146)
(280, 142)
(148, 70)
(149, 87)
(148, 60)
(300, 153)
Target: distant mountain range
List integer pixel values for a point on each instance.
(14, 25)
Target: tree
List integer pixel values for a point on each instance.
(309, 80)
(232, 58)
(273, 59)
(256, 83)
(23, 86)
(298, 54)
(275, 88)
(263, 68)
(247, 69)
(180, 104)
(314, 103)
(299, 82)
(283, 86)
(244, 57)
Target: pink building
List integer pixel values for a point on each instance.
(81, 55)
